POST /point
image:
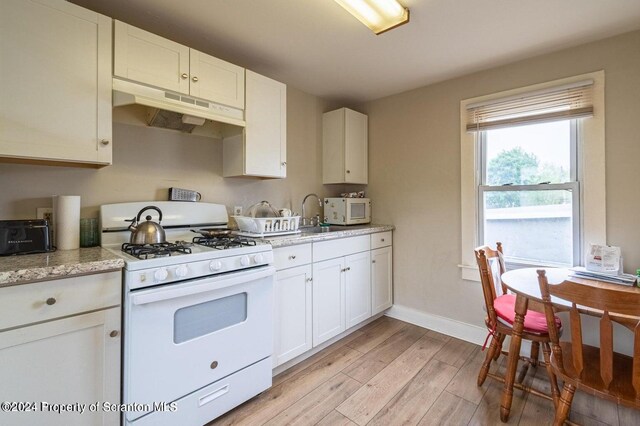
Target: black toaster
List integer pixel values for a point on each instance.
(24, 236)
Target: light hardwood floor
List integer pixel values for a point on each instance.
(391, 372)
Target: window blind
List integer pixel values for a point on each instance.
(568, 101)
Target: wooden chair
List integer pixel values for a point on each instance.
(598, 371)
(500, 308)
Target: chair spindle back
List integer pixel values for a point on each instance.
(622, 307)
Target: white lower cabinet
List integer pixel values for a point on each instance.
(329, 316)
(292, 303)
(325, 288)
(381, 279)
(358, 288)
(72, 360)
(292, 313)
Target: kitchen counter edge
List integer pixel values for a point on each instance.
(302, 238)
(30, 268)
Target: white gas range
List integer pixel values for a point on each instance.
(197, 319)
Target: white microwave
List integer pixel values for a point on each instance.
(347, 211)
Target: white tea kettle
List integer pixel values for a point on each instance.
(148, 232)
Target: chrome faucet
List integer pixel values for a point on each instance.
(310, 220)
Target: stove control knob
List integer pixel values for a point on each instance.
(215, 265)
(245, 261)
(258, 258)
(182, 271)
(161, 274)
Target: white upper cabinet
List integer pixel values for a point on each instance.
(55, 81)
(344, 147)
(217, 80)
(150, 59)
(261, 150)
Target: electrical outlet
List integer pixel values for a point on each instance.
(237, 210)
(45, 213)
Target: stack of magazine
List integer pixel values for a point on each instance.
(617, 278)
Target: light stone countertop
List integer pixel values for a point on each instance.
(303, 238)
(28, 268)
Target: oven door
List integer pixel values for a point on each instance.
(181, 337)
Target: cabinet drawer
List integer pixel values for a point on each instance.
(29, 303)
(340, 247)
(288, 257)
(381, 239)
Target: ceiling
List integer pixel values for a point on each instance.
(316, 46)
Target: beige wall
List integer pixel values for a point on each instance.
(147, 161)
(414, 163)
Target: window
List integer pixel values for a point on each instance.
(532, 172)
(528, 192)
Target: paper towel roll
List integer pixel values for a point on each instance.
(67, 218)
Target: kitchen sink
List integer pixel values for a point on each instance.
(322, 229)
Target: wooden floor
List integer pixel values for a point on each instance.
(391, 372)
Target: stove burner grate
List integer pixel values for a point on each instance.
(224, 242)
(150, 251)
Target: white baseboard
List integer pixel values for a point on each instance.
(450, 327)
(454, 328)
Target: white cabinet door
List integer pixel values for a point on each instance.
(70, 360)
(55, 81)
(381, 279)
(328, 300)
(293, 332)
(358, 287)
(344, 147)
(356, 147)
(266, 131)
(147, 58)
(262, 150)
(216, 80)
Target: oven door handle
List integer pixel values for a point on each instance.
(210, 285)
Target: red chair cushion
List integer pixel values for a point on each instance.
(533, 321)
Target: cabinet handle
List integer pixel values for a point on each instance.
(51, 301)
(214, 364)
(293, 256)
(349, 268)
(348, 171)
(382, 239)
(184, 76)
(114, 333)
(373, 261)
(104, 142)
(309, 280)
(195, 79)
(284, 163)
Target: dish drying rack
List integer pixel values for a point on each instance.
(267, 226)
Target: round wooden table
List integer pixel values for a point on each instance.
(524, 284)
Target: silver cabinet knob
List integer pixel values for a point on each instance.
(105, 142)
(184, 76)
(114, 333)
(51, 301)
(195, 79)
(373, 261)
(309, 280)
(284, 163)
(292, 257)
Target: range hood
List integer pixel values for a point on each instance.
(173, 110)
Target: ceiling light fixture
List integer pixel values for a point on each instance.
(379, 15)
